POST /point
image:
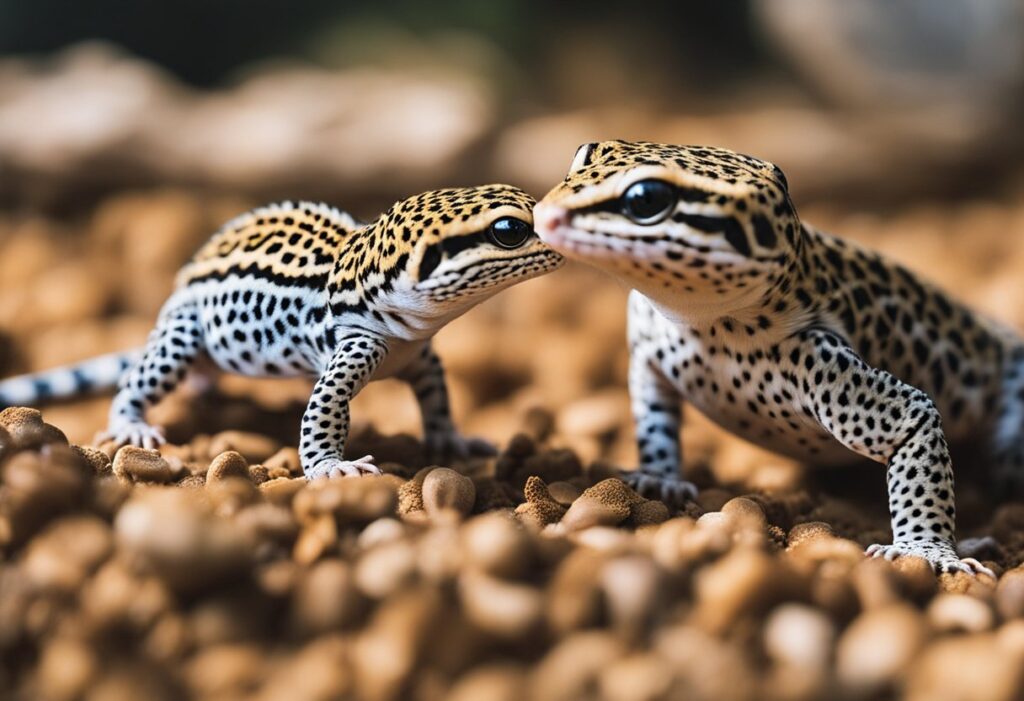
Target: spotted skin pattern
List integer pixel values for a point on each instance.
(798, 341)
(303, 289)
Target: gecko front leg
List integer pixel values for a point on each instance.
(425, 375)
(325, 423)
(657, 412)
(876, 415)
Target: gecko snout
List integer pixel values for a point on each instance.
(548, 219)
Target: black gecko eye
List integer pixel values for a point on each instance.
(509, 232)
(648, 201)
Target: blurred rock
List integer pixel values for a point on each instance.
(174, 536)
(302, 117)
(967, 668)
(878, 647)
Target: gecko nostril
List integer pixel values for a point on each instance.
(550, 218)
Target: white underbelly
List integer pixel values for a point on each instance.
(400, 355)
(808, 442)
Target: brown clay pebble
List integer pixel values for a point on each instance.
(917, 577)
(960, 613)
(444, 488)
(572, 666)
(808, 531)
(500, 607)
(253, 447)
(494, 682)
(498, 544)
(348, 500)
(259, 474)
(173, 534)
(326, 598)
(636, 676)
(133, 464)
(27, 430)
(264, 523)
(972, 668)
(590, 511)
(410, 494)
(1010, 594)
(386, 569)
(284, 459)
(964, 583)
(538, 514)
(633, 588)
(282, 489)
(745, 580)
(95, 459)
(649, 512)
(67, 669)
(746, 511)
(7, 445)
(877, 647)
(607, 503)
(565, 493)
(227, 464)
(801, 637)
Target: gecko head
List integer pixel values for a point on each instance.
(465, 244)
(675, 222)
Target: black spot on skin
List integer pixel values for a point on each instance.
(861, 298)
(431, 259)
(729, 227)
(764, 232)
(921, 351)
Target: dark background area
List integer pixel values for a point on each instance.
(204, 43)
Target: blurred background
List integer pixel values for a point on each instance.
(130, 131)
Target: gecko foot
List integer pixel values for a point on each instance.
(939, 554)
(333, 467)
(669, 488)
(137, 433)
(454, 445)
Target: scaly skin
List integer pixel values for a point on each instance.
(304, 289)
(793, 339)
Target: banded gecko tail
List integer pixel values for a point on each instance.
(95, 375)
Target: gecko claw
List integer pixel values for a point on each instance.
(939, 554)
(670, 489)
(334, 468)
(137, 433)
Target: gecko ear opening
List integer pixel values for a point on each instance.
(428, 264)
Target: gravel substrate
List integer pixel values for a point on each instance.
(211, 569)
(136, 574)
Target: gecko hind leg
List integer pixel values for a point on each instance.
(172, 348)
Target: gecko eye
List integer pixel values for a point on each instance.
(509, 232)
(648, 201)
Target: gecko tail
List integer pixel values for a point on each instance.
(93, 376)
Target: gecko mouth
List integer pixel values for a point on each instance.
(594, 245)
(483, 274)
(562, 234)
